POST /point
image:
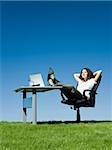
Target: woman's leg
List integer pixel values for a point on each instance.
(71, 93)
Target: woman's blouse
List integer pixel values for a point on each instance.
(86, 85)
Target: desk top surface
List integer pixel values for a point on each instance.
(38, 88)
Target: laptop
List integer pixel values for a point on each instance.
(36, 80)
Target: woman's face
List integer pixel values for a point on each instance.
(84, 74)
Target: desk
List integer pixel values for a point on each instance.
(34, 90)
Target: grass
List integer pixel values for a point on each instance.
(71, 136)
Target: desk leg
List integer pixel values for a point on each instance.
(24, 109)
(34, 107)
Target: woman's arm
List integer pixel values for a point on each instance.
(76, 76)
(97, 74)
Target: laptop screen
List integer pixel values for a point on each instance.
(36, 80)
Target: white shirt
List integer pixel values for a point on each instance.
(86, 85)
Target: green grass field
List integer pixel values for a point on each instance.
(71, 136)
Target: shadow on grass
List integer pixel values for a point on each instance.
(71, 122)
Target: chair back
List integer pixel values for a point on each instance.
(95, 87)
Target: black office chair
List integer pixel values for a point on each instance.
(76, 104)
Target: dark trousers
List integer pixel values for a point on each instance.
(71, 93)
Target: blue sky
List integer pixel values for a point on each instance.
(66, 36)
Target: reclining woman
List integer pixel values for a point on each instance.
(86, 80)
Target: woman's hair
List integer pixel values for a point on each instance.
(89, 76)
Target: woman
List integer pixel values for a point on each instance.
(86, 80)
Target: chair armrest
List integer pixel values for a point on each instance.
(88, 91)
